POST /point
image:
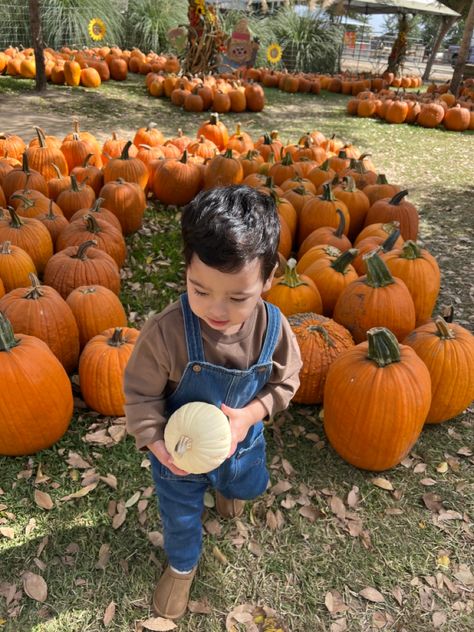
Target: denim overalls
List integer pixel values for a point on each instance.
(244, 475)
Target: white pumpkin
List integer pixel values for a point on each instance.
(198, 438)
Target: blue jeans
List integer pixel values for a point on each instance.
(181, 499)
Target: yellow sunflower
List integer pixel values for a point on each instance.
(96, 29)
(274, 53)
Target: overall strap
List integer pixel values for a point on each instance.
(272, 334)
(192, 330)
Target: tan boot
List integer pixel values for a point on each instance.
(171, 595)
(229, 507)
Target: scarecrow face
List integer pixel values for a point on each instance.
(239, 50)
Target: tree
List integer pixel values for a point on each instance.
(38, 45)
(463, 52)
(447, 22)
(400, 45)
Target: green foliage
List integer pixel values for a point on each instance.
(148, 22)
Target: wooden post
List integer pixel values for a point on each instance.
(38, 45)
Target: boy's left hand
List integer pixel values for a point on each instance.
(241, 420)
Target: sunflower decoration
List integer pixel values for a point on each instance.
(274, 53)
(97, 30)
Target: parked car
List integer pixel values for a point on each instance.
(453, 52)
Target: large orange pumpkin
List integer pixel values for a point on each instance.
(396, 208)
(320, 340)
(376, 399)
(447, 349)
(294, 293)
(101, 368)
(35, 412)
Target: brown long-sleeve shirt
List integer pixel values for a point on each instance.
(160, 357)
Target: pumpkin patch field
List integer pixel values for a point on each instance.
(365, 525)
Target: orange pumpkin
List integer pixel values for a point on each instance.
(294, 293)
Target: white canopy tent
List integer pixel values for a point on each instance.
(399, 6)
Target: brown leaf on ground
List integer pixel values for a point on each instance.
(43, 499)
(288, 468)
(281, 487)
(158, 624)
(438, 619)
(428, 482)
(79, 494)
(419, 468)
(40, 477)
(199, 607)
(7, 532)
(383, 483)
(109, 614)
(255, 548)
(310, 512)
(334, 602)
(213, 527)
(372, 594)
(337, 507)
(464, 575)
(75, 460)
(156, 538)
(288, 502)
(432, 502)
(271, 520)
(117, 433)
(449, 514)
(398, 595)
(35, 586)
(133, 500)
(353, 497)
(464, 451)
(104, 556)
(30, 527)
(42, 545)
(110, 480)
(340, 625)
(119, 518)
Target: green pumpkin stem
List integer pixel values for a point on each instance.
(228, 154)
(35, 292)
(124, 155)
(324, 333)
(327, 194)
(41, 137)
(381, 179)
(83, 248)
(24, 163)
(411, 250)
(7, 336)
(74, 184)
(383, 346)
(116, 340)
(184, 157)
(389, 243)
(344, 260)
(444, 332)
(16, 221)
(287, 160)
(291, 278)
(86, 160)
(27, 203)
(325, 166)
(398, 197)
(378, 275)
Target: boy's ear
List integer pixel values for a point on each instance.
(268, 282)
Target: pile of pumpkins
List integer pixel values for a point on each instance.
(211, 92)
(344, 83)
(427, 109)
(358, 289)
(88, 67)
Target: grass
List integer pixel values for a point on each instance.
(398, 543)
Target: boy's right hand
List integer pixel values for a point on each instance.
(164, 457)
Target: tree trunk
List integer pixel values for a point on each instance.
(399, 48)
(38, 45)
(463, 52)
(445, 25)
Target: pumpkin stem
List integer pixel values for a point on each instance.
(342, 224)
(124, 155)
(444, 332)
(398, 197)
(91, 224)
(25, 166)
(291, 278)
(5, 248)
(327, 194)
(116, 340)
(287, 159)
(16, 221)
(349, 184)
(41, 137)
(214, 118)
(324, 333)
(35, 290)
(344, 260)
(238, 129)
(184, 157)
(389, 243)
(378, 275)
(383, 346)
(7, 337)
(59, 175)
(90, 289)
(27, 203)
(228, 153)
(325, 165)
(86, 160)
(74, 184)
(411, 250)
(183, 445)
(82, 249)
(50, 214)
(150, 126)
(381, 179)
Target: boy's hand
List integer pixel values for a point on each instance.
(241, 420)
(164, 457)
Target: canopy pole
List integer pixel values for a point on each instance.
(362, 38)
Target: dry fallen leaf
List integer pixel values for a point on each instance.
(7, 532)
(438, 619)
(119, 518)
(158, 624)
(428, 482)
(199, 607)
(81, 493)
(109, 614)
(281, 487)
(133, 499)
(156, 538)
(334, 603)
(43, 500)
(432, 501)
(442, 468)
(76, 460)
(255, 548)
(310, 513)
(220, 557)
(104, 556)
(383, 483)
(372, 594)
(337, 507)
(35, 586)
(398, 595)
(213, 527)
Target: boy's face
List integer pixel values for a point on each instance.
(224, 300)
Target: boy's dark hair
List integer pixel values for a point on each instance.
(227, 227)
